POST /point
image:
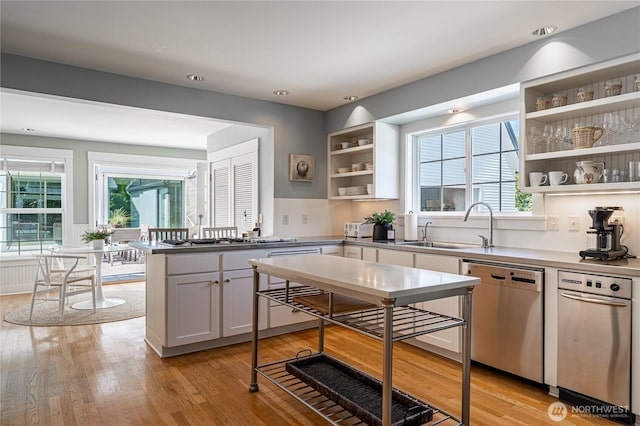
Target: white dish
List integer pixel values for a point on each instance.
(356, 167)
(344, 169)
(345, 145)
(362, 142)
(342, 191)
(356, 190)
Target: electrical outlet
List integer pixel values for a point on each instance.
(552, 223)
(574, 223)
(285, 219)
(305, 218)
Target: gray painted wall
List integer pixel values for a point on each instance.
(295, 130)
(80, 160)
(612, 37)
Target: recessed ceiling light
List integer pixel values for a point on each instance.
(281, 92)
(455, 110)
(195, 77)
(543, 31)
(27, 129)
(350, 98)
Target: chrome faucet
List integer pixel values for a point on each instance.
(485, 243)
(425, 237)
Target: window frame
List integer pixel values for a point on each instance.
(65, 156)
(412, 193)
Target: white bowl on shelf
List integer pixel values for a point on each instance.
(342, 191)
(356, 167)
(362, 142)
(345, 145)
(344, 169)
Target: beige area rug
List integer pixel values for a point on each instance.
(47, 314)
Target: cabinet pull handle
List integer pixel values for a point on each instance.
(215, 282)
(227, 280)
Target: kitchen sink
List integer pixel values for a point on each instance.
(437, 244)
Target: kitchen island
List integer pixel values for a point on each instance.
(389, 289)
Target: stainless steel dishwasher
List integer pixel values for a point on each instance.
(507, 317)
(594, 342)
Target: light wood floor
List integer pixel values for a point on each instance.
(105, 374)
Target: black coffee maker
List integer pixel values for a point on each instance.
(604, 237)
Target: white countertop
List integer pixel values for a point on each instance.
(364, 280)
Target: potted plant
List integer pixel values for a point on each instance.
(382, 222)
(119, 218)
(96, 237)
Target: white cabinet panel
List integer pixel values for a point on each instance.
(353, 252)
(395, 257)
(193, 308)
(192, 263)
(449, 339)
(237, 301)
(369, 254)
(280, 315)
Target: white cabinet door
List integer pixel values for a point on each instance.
(353, 252)
(331, 250)
(395, 257)
(193, 308)
(447, 339)
(237, 303)
(370, 254)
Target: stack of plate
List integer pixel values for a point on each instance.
(356, 190)
(368, 166)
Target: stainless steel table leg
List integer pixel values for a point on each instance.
(253, 387)
(387, 364)
(466, 356)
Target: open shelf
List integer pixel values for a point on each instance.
(277, 374)
(408, 321)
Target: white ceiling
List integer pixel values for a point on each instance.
(320, 51)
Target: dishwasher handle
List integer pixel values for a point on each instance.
(591, 299)
(498, 277)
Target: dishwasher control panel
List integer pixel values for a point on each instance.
(597, 284)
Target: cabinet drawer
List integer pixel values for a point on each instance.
(239, 259)
(192, 263)
(284, 315)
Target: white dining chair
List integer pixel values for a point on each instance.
(61, 274)
(222, 232)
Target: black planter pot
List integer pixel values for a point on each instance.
(380, 232)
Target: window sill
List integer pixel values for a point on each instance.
(521, 222)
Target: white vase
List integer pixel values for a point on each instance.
(98, 244)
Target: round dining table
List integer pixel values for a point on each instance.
(98, 253)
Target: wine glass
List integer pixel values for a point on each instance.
(547, 135)
(562, 137)
(607, 125)
(630, 124)
(534, 139)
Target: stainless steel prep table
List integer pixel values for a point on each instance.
(390, 288)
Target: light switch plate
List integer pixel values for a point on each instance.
(285, 219)
(574, 223)
(552, 223)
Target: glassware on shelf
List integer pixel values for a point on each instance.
(636, 84)
(584, 94)
(610, 124)
(563, 138)
(558, 100)
(612, 88)
(534, 140)
(630, 124)
(542, 103)
(548, 136)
